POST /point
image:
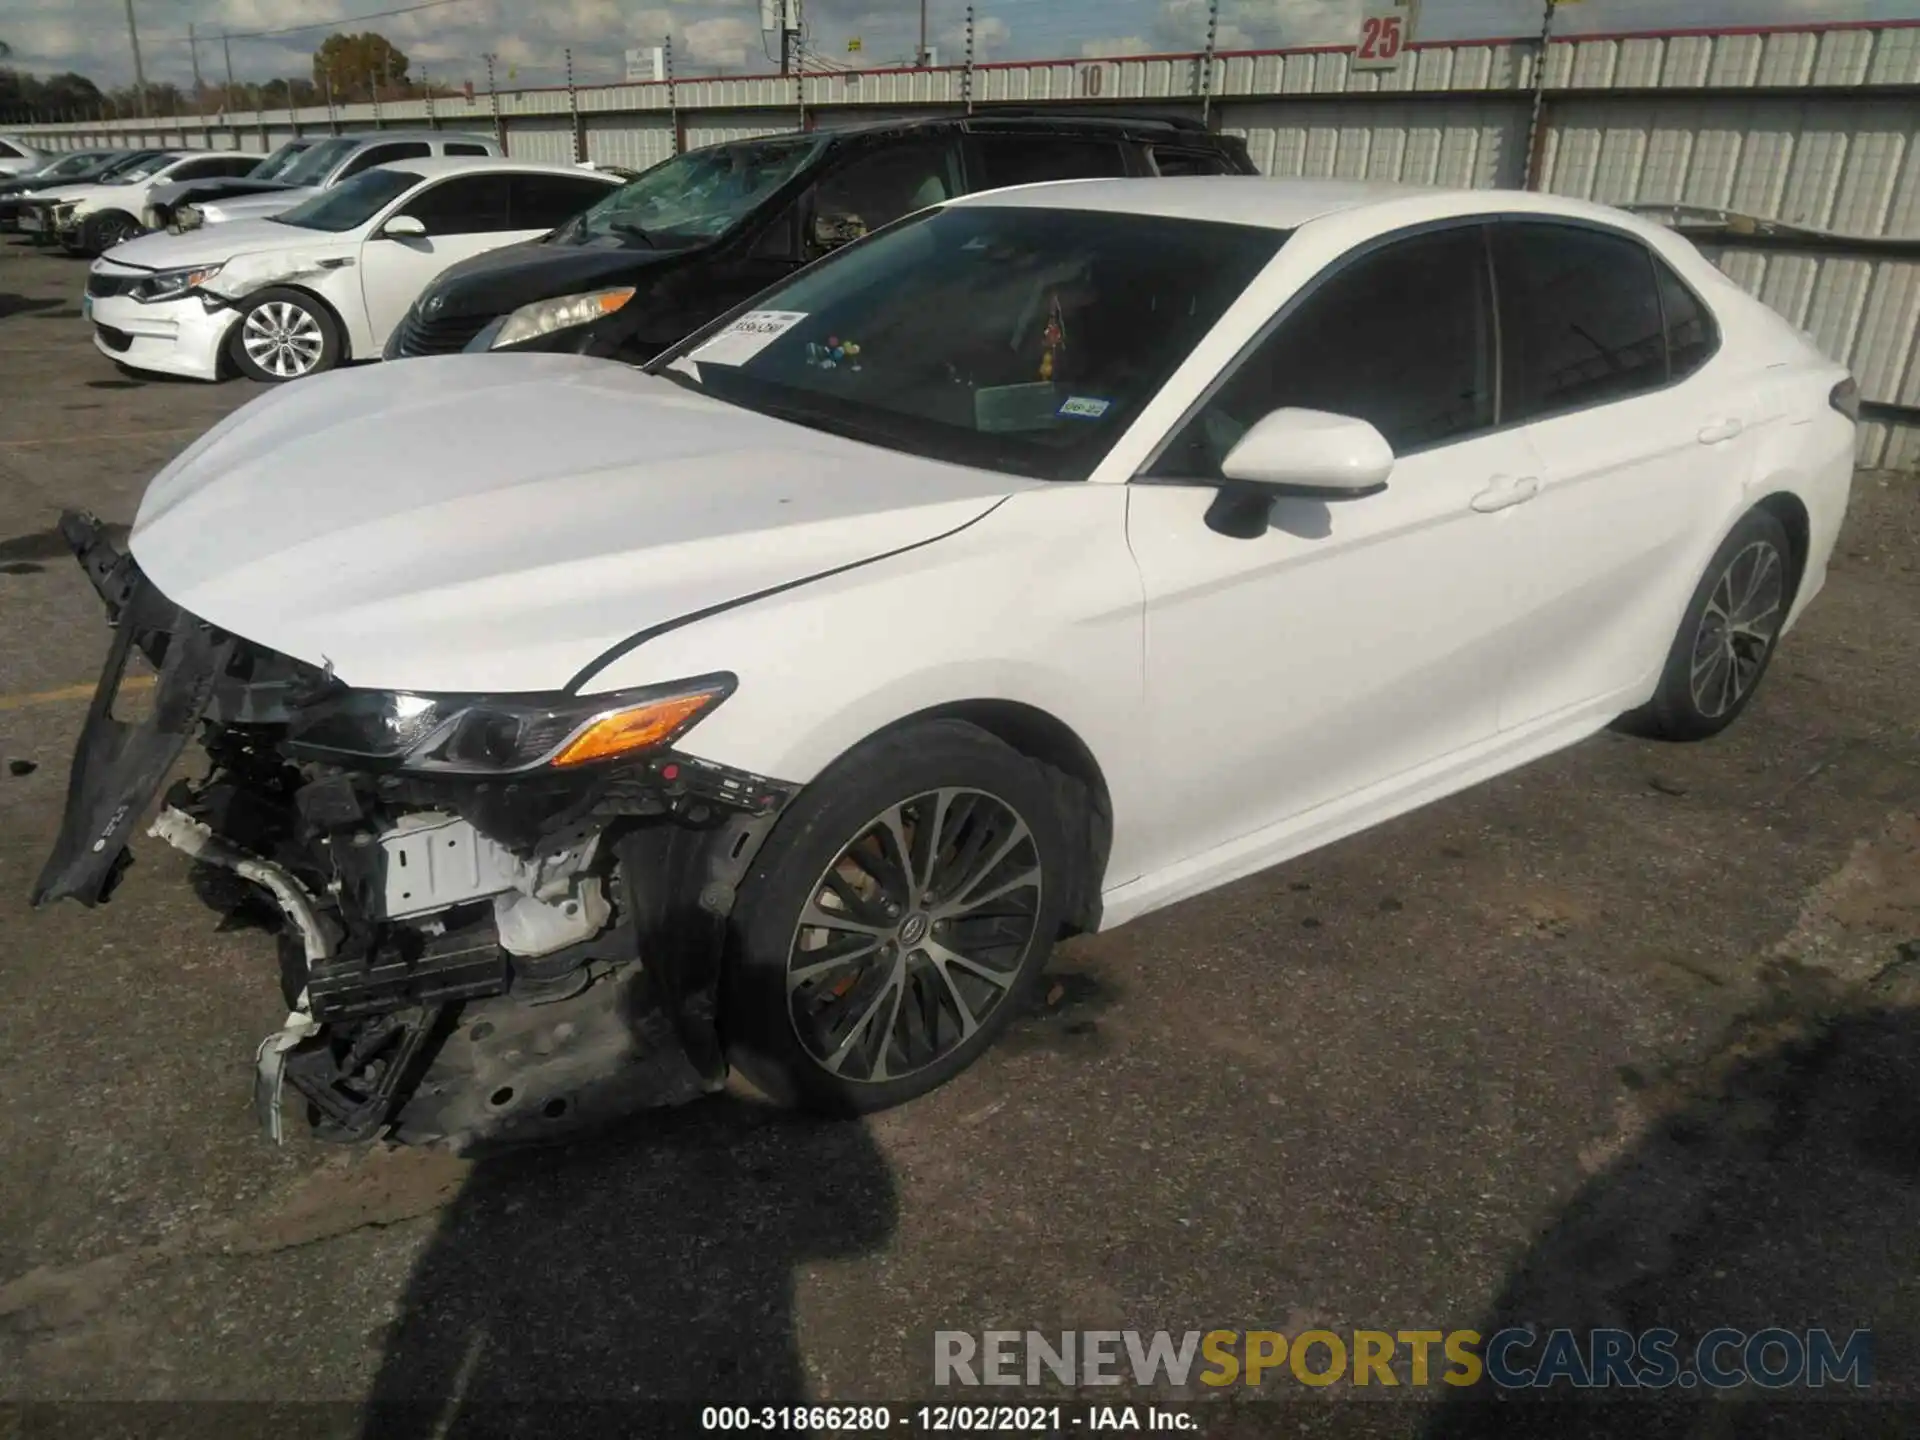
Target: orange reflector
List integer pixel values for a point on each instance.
(612, 300)
(628, 730)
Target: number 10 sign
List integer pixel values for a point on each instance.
(1386, 30)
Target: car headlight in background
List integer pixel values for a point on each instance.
(172, 284)
(543, 317)
(502, 734)
(188, 217)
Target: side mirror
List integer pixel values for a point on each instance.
(404, 227)
(1312, 452)
(1306, 454)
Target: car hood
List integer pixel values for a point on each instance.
(253, 207)
(67, 190)
(175, 192)
(162, 250)
(497, 522)
(500, 281)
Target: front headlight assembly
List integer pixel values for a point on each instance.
(501, 734)
(543, 317)
(172, 284)
(187, 217)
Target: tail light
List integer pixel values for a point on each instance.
(1845, 398)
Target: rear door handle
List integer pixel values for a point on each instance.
(1721, 431)
(1506, 490)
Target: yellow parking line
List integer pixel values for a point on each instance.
(69, 692)
(99, 439)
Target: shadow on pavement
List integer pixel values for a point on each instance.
(653, 1263)
(1786, 1197)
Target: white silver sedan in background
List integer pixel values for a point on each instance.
(1035, 562)
(325, 281)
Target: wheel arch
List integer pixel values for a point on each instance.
(306, 292)
(1080, 784)
(1792, 513)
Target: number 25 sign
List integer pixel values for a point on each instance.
(1386, 30)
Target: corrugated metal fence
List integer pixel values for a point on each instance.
(1814, 126)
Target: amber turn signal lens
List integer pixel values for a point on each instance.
(626, 731)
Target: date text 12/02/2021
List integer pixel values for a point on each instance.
(947, 1419)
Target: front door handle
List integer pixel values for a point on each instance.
(1721, 431)
(1506, 490)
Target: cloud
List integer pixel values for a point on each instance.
(533, 38)
(1122, 45)
(991, 38)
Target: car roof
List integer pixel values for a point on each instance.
(432, 167)
(371, 137)
(1284, 204)
(1016, 117)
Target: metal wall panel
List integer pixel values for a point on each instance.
(1475, 143)
(1850, 166)
(548, 140)
(715, 126)
(631, 141)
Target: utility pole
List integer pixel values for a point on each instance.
(920, 55)
(139, 71)
(493, 94)
(226, 48)
(1536, 132)
(193, 48)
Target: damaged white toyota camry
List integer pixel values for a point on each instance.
(1033, 563)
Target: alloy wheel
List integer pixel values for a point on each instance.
(914, 934)
(1738, 628)
(282, 339)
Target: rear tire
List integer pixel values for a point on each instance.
(284, 335)
(919, 966)
(1727, 637)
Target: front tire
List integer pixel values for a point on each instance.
(1727, 637)
(100, 233)
(895, 922)
(284, 335)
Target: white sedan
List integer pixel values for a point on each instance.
(87, 219)
(1029, 565)
(326, 281)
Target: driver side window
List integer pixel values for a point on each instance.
(878, 189)
(1401, 337)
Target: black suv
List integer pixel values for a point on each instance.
(699, 233)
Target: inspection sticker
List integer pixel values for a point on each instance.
(747, 336)
(1083, 407)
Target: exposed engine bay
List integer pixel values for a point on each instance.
(472, 949)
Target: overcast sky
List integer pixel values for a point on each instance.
(531, 36)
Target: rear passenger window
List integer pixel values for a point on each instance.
(1002, 160)
(541, 202)
(456, 147)
(1691, 335)
(385, 155)
(1401, 337)
(1190, 162)
(1580, 317)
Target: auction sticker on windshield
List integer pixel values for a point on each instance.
(747, 336)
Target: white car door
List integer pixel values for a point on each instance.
(1354, 639)
(464, 216)
(1640, 452)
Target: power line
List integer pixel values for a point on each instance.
(333, 24)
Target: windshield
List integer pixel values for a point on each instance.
(350, 203)
(694, 196)
(271, 167)
(143, 169)
(1010, 338)
(312, 167)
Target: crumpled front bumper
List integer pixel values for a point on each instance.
(120, 763)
